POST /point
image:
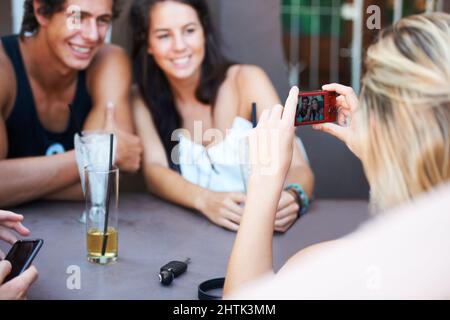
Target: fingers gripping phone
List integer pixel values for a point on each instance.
(316, 107)
(21, 256)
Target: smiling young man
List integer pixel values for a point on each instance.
(60, 58)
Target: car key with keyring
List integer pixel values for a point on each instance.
(172, 270)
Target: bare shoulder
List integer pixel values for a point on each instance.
(247, 74)
(244, 77)
(110, 53)
(110, 58)
(243, 74)
(109, 78)
(254, 86)
(7, 83)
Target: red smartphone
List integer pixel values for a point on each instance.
(21, 256)
(316, 107)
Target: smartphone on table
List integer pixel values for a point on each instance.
(21, 256)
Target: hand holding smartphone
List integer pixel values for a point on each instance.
(21, 256)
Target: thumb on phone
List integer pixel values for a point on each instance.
(5, 269)
(110, 122)
(29, 276)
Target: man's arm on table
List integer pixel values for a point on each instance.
(109, 80)
(27, 179)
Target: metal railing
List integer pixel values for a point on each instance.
(17, 14)
(338, 11)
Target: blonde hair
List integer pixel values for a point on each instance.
(405, 109)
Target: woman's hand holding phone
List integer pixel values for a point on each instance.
(347, 127)
(17, 288)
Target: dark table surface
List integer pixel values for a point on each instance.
(152, 233)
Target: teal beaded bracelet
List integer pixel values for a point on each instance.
(302, 196)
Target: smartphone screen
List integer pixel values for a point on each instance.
(310, 109)
(316, 107)
(21, 256)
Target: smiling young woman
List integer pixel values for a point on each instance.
(185, 82)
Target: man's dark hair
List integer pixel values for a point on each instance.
(47, 9)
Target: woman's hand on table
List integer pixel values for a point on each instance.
(287, 212)
(225, 209)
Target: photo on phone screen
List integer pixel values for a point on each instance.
(22, 255)
(310, 108)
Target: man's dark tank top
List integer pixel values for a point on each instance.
(26, 135)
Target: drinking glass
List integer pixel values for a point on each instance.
(92, 149)
(102, 214)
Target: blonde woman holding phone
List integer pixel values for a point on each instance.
(400, 129)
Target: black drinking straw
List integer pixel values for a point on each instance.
(254, 117)
(108, 195)
(75, 120)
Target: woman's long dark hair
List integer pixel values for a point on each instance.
(315, 113)
(153, 84)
